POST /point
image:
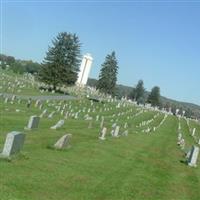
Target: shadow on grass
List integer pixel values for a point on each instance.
(51, 147)
(16, 157)
(183, 162)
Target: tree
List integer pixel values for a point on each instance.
(6, 60)
(61, 64)
(139, 92)
(154, 96)
(132, 94)
(108, 75)
(10, 60)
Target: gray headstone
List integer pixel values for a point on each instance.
(192, 161)
(13, 144)
(33, 122)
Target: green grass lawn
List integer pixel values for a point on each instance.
(139, 166)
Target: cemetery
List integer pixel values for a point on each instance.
(99, 100)
(84, 149)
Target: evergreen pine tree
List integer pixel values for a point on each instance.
(61, 64)
(140, 92)
(154, 96)
(108, 75)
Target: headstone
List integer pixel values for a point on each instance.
(40, 107)
(6, 100)
(43, 113)
(103, 134)
(51, 114)
(63, 142)
(90, 124)
(126, 125)
(116, 132)
(102, 122)
(28, 103)
(193, 132)
(33, 122)
(37, 103)
(97, 118)
(192, 161)
(58, 125)
(179, 136)
(125, 133)
(114, 125)
(13, 98)
(13, 144)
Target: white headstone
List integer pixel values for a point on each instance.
(193, 132)
(43, 113)
(58, 125)
(116, 132)
(103, 134)
(63, 142)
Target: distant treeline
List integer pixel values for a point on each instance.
(19, 66)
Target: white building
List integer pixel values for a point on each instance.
(84, 70)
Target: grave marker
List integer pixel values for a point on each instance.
(33, 122)
(13, 144)
(192, 161)
(63, 142)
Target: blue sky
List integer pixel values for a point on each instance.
(158, 42)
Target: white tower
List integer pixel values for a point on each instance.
(84, 70)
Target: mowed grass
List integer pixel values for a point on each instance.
(139, 166)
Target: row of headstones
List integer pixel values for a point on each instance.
(153, 129)
(61, 121)
(34, 120)
(115, 132)
(38, 102)
(75, 115)
(192, 132)
(192, 154)
(17, 84)
(147, 122)
(15, 141)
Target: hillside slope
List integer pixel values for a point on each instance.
(123, 90)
